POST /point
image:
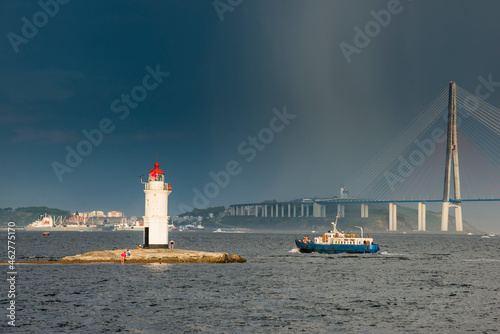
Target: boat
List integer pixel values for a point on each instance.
(231, 230)
(337, 241)
(191, 227)
(108, 227)
(44, 222)
(134, 226)
(47, 222)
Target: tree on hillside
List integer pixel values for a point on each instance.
(204, 212)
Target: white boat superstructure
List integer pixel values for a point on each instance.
(43, 223)
(135, 226)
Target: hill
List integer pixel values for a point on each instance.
(27, 215)
(216, 210)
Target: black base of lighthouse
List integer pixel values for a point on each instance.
(146, 238)
(146, 241)
(156, 246)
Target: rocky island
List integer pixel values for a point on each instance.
(157, 255)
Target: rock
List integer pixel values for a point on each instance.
(235, 258)
(157, 255)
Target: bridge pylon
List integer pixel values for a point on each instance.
(452, 160)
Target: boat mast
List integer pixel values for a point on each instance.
(335, 223)
(361, 230)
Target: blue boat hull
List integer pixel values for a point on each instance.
(334, 249)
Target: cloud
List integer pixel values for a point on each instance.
(33, 97)
(144, 136)
(12, 117)
(26, 88)
(41, 136)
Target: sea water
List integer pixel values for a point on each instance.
(416, 283)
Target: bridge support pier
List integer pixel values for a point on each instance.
(341, 210)
(458, 216)
(319, 210)
(444, 217)
(393, 217)
(364, 210)
(421, 216)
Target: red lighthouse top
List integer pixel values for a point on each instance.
(156, 171)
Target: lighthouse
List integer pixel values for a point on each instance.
(156, 209)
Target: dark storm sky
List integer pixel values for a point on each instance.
(224, 79)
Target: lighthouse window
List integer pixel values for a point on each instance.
(160, 177)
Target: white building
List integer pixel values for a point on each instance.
(115, 214)
(91, 214)
(156, 210)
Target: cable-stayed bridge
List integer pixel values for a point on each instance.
(450, 153)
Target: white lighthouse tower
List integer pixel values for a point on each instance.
(156, 209)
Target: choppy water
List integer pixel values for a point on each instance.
(417, 283)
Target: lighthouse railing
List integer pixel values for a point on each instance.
(166, 186)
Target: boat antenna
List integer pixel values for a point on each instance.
(361, 230)
(335, 223)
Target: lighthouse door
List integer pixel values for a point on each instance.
(146, 237)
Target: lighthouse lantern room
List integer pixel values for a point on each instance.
(156, 209)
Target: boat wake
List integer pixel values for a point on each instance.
(295, 250)
(482, 260)
(158, 266)
(393, 254)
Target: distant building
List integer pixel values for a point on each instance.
(91, 214)
(115, 214)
